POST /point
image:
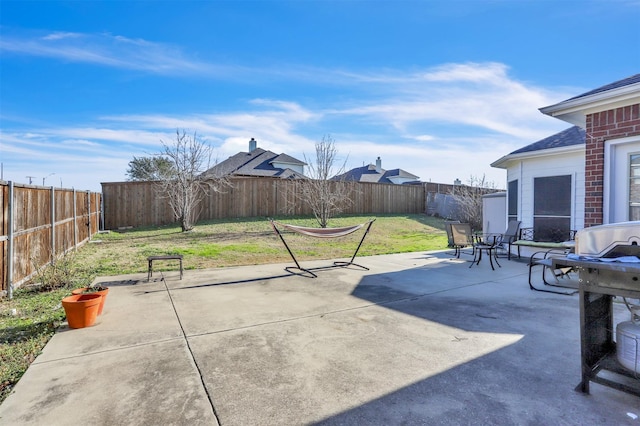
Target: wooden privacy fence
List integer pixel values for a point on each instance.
(39, 224)
(134, 204)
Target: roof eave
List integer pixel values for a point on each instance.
(503, 162)
(575, 110)
(300, 163)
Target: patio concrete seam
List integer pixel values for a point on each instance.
(193, 358)
(36, 362)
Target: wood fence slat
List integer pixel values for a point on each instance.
(33, 231)
(135, 204)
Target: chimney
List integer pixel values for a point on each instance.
(378, 165)
(253, 144)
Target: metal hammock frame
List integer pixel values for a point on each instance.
(321, 233)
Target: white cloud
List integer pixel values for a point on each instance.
(109, 50)
(486, 73)
(80, 143)
(478, 95)
(441, 123)
(59, 35)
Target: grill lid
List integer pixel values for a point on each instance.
(611, 240)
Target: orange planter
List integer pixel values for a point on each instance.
(102, 293)
(81, 309)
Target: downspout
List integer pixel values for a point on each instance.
(520, 194)
(574, 200)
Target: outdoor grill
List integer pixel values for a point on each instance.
(609, 241)
(607, 260)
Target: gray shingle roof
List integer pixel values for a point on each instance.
(284, 158)
(369, 174)
(571, 136)
(615, 85)
(258, 162)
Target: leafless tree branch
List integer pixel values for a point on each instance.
(324, 196)
(469, 200)
(187, 187)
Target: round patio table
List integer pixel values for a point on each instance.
(491, 252)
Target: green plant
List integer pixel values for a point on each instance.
(27, 322)
(59, 274)
(93, 289)
(30, 318)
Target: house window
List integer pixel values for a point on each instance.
(512, 201)
(552, 208)
(634, 187)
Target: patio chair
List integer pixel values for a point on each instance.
(462, 237)
(447, 228)
(503, 241)
(545, 259)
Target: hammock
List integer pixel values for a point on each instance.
(321, 233)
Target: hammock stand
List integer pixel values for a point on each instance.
(321, 233)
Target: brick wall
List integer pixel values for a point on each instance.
(602, 126)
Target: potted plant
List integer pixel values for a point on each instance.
(81, 309)
(98, 289)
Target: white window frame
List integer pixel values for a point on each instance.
(609, 201)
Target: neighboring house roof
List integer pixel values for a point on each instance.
(611, 96)
(565, 140)
(284, 158)
(258, 162)
(370, 174)
(399, 173)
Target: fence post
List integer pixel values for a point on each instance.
(53, 225)
(103, 206)
(89, 218)
(10, 243)
(101, 228)
(75, 222)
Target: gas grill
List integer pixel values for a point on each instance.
(606, 258)
(609, 241)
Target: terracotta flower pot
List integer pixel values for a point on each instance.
(103, 293)
(81, 309)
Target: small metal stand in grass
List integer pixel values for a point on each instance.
(150, 259)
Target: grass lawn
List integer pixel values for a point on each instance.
(29, 320)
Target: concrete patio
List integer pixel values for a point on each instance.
(420, 338)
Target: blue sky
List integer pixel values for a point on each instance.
(438, 88)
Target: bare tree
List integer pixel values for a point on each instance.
(325, 197)
(469, 200)
(187, 187)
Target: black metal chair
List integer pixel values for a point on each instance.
(545, 260)
(503, 241)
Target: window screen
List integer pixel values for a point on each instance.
(512, 194)
(552, 208)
